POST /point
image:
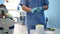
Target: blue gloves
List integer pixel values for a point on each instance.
(37, 9)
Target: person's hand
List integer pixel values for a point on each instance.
(40, 8)
(37, 9)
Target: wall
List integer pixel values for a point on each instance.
(1, 1)
(53, 13)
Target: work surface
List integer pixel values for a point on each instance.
(21, 29)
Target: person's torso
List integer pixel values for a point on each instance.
(38, 17)
(35, 3)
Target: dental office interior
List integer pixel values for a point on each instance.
(52, 16)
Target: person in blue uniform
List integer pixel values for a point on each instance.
(35, 12)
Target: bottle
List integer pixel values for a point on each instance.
(39, 29)
(18, 8)
(22, 17)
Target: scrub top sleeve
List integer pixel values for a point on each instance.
(23, 2)
(46, 2)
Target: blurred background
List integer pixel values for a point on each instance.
(53, 13)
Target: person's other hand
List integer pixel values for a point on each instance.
(37, 9)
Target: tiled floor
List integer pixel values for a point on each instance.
(23, 30)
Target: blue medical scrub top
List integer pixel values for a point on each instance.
(1, 1)
(38, 17)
